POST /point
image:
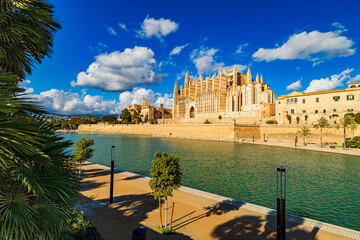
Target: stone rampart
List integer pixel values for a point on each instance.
(225, 132)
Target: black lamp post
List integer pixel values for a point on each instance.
(112, 157)
(281, 199)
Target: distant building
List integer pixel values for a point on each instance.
(308, 107)
(234, 95)
(148, 112)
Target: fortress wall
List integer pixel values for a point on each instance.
(193, 131)
(288, 132)
(247, 132)
(221, 131)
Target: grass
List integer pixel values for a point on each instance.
(166, 231)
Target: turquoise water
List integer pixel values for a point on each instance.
(320, 186)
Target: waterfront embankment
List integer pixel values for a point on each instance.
(197, 215)
(271, 135)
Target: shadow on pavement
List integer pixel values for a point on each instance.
(253, 227)
(116, 221)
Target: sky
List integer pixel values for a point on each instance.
(109, 54)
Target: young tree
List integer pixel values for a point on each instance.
(108, 119)
(321, 123)
(126, 116)
(304, 132)
(83, 151)
(345, 122)
(166, 177)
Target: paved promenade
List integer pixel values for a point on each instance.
(310, 147)
(198, 215)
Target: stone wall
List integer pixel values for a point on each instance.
(227, 132)
(192, 131)
(288, 132)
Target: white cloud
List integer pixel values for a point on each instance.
(340, 28)
(28, 90)
(176, 50)
(122, 26)
(204, 61)
(354, 79)
(298, 68)
(158, 28)
(240, 49)
(334, 81)
(240, 68)
(118, 71)
(313, 46)
(69, 103)
(295, 85)
(135, 96)
(111, 31)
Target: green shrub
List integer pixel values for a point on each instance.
(271, 122)
(78, 228)
(357, 118)
(335, 115)
(306, 117)
(349, 114)
(220, 117)
(288, 118)
(207, 121)
(153, 121)
(354, 142)
(166, 231)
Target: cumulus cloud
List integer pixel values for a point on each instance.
(295, 85)
(118, 71)
(122, 26)
(354, 79)
(67, 103)
(70, 103)
(314, 46)
(135, 96)
(28, 90)
(111, 31)
(239, 67)
(158, 28)
(204, 61)
(176, 50)
(334, 81)
(240, 49)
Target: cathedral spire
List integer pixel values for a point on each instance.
(176, 88)
(257, 77)
(220, 71)
(249, 78)
(235, 69)
(187, 78)
(261, 79)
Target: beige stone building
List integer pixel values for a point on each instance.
(231, 95)
(149, 112)
(308, 107)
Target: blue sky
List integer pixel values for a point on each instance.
(109, 54)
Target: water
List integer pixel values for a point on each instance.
(320, 186)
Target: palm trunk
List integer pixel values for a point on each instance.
(304, 140)
(321, 144)
(166, 208)
(344, 137)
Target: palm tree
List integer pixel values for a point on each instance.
(27, 30)
(345, 122)
(304, 132)
(38, 184)
(321, 123)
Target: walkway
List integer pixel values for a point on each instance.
(198, 215)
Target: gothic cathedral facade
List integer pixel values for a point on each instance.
(233, 95)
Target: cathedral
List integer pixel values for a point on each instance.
(230, 95)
